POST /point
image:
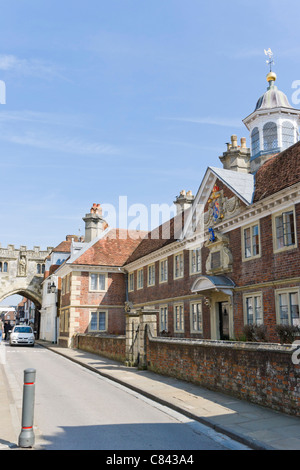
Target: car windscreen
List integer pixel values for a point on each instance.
(22, 329)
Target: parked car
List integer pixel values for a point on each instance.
(22, 335)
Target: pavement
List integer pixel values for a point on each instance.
(254, 426)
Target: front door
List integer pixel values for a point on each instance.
(224, 320)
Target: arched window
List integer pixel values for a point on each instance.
(255, 141)
(288, 134)
(0, 267)
(38, 268)
(5, 267)
(270, 136)
(43, 268)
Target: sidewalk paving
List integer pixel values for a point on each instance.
(253, 425)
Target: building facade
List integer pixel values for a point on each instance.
(228, 259)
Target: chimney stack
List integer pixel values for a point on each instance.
(184, 201)
(94, 223)
(236, 157)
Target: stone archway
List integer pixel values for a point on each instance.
(22, 272)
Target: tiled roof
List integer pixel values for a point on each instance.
(279, 172)
(160, 237)
(111, 250)
(63, 247)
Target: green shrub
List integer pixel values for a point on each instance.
(287, 333)
(255, 333)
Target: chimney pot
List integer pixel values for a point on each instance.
(234, 140)
(243, 142)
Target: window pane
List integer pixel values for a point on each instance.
(249, 308)
(288, 134)
(163, 318)
(178, 317)
(255, 241)
(102, 321)
(94, 279)
(101, 278)
(197, 317)
(164, 270)
(283, 308)
(94, 321)
(131, 281)
(270, 136)
(247, 240)
(255, 141)
(288, 228)
(198, 260)
(294, 306)
(279, 232)
(258, 310)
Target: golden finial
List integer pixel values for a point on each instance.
(271, 77)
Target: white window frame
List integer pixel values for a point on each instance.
(97, 289)
(178, 312)
(287, 291)
(140, 279)
(286, 246)
(181, 265)
(253, 296)
(199, 313)
(163, 270)
(151, 275)
(195, 253)
(163, 317)
(131, 282)
(97, 312)
(251, 228)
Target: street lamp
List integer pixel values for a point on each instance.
(53, 288)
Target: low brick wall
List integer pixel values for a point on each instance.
(261, 373)
(109, 346)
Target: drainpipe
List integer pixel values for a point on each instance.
(126, 286)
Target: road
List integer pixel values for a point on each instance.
(77, 409)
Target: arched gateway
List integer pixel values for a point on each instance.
(22, 272)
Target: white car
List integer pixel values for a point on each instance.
(22, 334)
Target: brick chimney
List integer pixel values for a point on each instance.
(237, 157)
(94, 223)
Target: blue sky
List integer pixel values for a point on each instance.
(126, 98)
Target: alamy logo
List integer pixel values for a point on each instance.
(296, 353)
(296, 94)
(2, 92)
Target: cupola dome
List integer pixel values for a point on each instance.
(273, 125)
(272, 98)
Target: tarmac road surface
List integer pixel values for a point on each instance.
(77, 409)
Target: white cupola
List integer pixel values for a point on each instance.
(273, 125)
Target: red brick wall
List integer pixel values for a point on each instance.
(260, 374)
(111, 301)
(112, 347)
(268, 268)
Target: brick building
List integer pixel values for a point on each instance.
(93, 288)
(229, 258)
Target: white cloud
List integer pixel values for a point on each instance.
(215, 121)
(66, 145)
(34, 67)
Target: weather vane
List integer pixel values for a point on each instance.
(270, 61)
